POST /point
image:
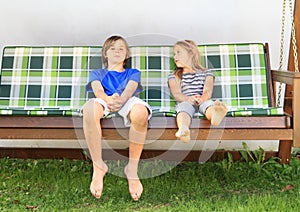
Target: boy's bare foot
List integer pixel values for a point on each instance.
(219, 111)
(96, 186)
(134, 184)
(184, 134)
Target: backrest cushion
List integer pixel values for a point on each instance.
(46, 77)
(54, 78)
(240, 74)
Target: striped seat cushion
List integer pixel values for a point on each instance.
(51, 80)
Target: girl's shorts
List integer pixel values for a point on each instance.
(192, 109)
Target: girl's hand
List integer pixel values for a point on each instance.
(198, 99)
(192, 100)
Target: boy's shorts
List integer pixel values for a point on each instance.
(126, 108)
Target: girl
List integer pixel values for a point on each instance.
(192, 87)
(115, 88)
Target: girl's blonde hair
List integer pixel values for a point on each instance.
(192, 48)
(108, 43)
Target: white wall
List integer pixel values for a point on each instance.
(90, 22)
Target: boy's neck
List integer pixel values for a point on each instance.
(116, 67)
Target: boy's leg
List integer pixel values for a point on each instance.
(92, 113)
(137, 134)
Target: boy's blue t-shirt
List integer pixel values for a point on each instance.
(115, 82)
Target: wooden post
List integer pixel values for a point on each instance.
(289, 89)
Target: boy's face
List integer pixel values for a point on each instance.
(182, 57)
(116, 54)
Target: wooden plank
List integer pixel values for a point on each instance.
(296, 112)
(173, 155)
(153, 134)
(269, 77)
(155, 122)
(37, 133)
(286, 77)
(288, 100)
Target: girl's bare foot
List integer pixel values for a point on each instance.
(134, 183)
(219, 111)
(184, 134)
(96, 186)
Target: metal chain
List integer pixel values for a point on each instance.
(294, 38)
(282, 44)
(281, 50)
(282, 35)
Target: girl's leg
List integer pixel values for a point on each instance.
(137, 134)
(183, 122)
(92, 113)
(216, 113)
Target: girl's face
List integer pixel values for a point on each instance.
(182, 57)
(116, 54)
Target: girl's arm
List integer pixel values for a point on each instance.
(175, 89)
(207, 90)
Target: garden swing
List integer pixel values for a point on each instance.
(38, 124)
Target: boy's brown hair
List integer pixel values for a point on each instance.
(108, 43)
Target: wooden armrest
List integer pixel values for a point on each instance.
(292, 78)
(286, 77)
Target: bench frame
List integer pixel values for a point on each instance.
(280, 128)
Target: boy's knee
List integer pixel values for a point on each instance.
(139, 113)
(92, 109)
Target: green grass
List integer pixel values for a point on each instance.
(63, 185)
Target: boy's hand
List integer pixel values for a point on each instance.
(115, 102)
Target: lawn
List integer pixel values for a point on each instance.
(63, 185)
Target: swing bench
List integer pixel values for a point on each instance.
(43, 88)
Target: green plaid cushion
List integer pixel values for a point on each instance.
(46, 80)
(51, 80)
(155, 64)
(240, 70)
(241, 74)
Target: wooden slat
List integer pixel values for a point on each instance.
(155, 122)
(153, 134)
(286, 77)
(296, 112)
(173, 155)
(269, 78)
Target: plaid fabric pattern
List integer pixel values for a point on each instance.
(46, 80)
(241, 74)
(51, 80)
(155, 64)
